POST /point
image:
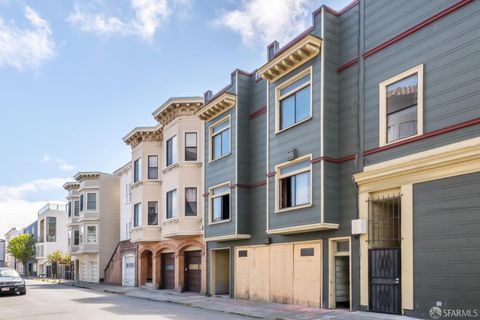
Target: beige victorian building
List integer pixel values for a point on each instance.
(167, 198)
(93, 223)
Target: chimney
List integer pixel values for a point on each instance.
(207, 96)
(272, 48)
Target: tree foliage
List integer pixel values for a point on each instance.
(58, 257)
(22, 248)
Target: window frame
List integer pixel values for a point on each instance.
(210, 199)
(174, 161)
(149, 167)
(137, 177)
(96, 201)
(279, 97)
(174, 205)
(148, 213)
(139, 206)
(279, 177)
(382, 87)
(73, 238)
(75, 212)
(185, 146)
(86, 234)
(211, 135)
(185, 201)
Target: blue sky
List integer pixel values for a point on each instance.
(76, 76)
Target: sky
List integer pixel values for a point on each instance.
(76, 76)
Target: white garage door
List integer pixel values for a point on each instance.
(83, 271)
(93, 271)
(128, 278)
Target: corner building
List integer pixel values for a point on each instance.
(342, 173)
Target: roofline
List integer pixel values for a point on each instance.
(78, 176)
(193, 99)
(141, 129)
(123, 168)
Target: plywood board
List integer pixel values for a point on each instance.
(307, 275)
(242, 274)
(260, 273)
(281, 273)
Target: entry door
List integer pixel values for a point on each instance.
(384, 277)
(129, 271)
(168, 271)
(193, 263)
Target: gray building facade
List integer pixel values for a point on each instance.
(344, 172)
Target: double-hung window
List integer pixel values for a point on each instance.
(190, 201)
(76, 237)
(401, 106)
(171, 204)
(137, 170)
(76, 208)
(69, 208)
(81, 202)
(91, 234)
(293, 184)
(220, 203)
(294, 101)
(190, 146)
(137, 214)
(152, 213)
(152, 167)
(220, 139)
(91, 201)
(171, 151)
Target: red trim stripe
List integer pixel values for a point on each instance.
(258, 113)
(347, 65)
(271, 174)
(417, 27)
(406, 33)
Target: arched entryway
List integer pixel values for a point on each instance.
(146, 267)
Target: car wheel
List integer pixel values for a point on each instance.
(23, 293)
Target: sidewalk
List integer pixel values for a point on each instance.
(247, 308)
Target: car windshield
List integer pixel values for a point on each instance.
(9, 273)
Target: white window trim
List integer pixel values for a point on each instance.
(210, 138)
(278, 97)
(140, 218)
(185, 202)
(185, 145)
(158, 167)
(176, 216)
(86, 201)
(140, 173)
(278, 177)
(383, 104)
(174, 161)
(158, 213)
(210, 198)
(86, 233)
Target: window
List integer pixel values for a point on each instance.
(137, 170)
(152, 213)
(401, 106)
(69, 208)
(137, 214)
(220, 139)
(76, 208)
(76, 237)
(220, 203)
(294, 101)
(128, 192)
(51, 229)
(171, 204)
(190, 146)
(293, 184)
(152, 167)
(81, 202)
(190, 201)
(171, 151)
(81, 234)
(91, 234)
(69, 237)
(92, 201)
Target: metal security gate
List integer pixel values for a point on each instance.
(384, 255)
(384, 278)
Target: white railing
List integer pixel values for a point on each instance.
(53, 206)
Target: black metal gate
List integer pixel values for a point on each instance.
(384, 279)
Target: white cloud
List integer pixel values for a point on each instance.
(16, 210)
(149, 16)
(26, 48)
(62, 164)
(260, 22)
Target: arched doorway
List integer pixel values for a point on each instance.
(146, 265)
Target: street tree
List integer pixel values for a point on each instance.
(22, 248)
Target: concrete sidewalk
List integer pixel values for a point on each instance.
(247, 308)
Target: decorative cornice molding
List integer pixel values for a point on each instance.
(217, 106)
(176, 107)
(144, 134)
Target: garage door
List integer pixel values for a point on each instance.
(286, 273)
(93, 272)
(168, 271)
(83, 271)
(128, 268)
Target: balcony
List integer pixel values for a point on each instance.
(182, 227)
(146, 233)
(52, 206)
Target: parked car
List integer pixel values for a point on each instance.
(11, 282)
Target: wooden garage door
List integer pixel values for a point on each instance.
(286, 273)
(168, 271)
